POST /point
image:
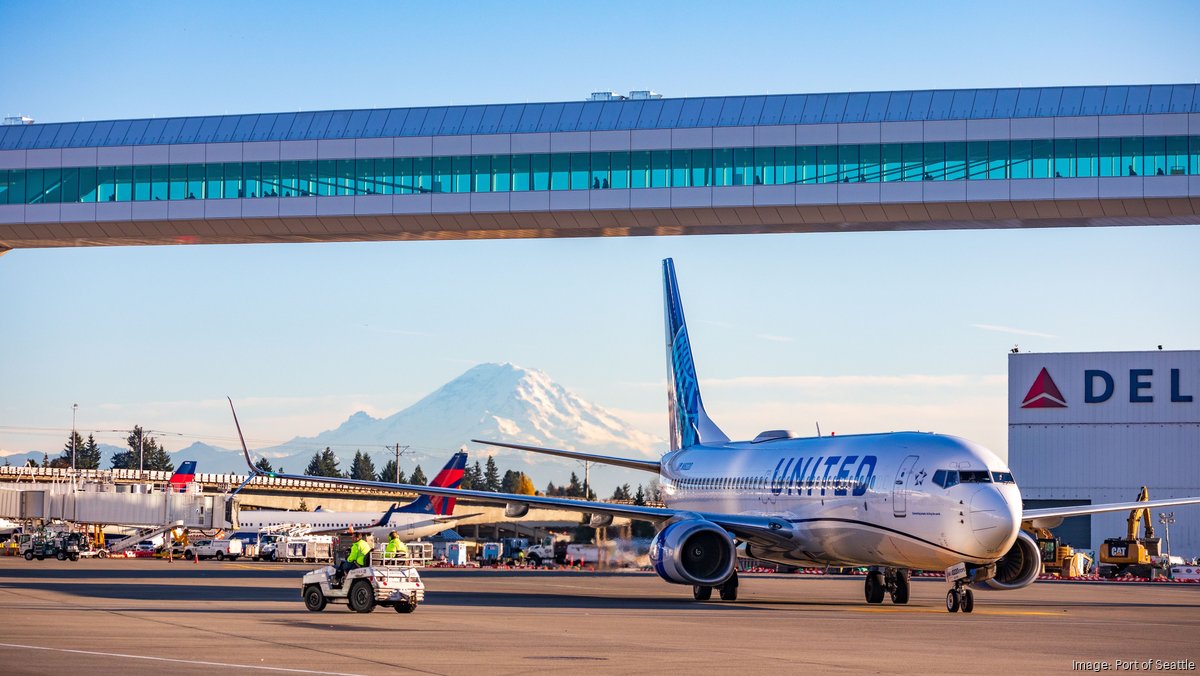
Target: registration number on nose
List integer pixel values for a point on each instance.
(956, 572)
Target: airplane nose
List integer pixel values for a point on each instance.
(993, 518)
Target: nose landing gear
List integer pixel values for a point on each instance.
(893, 581)
(960, 598)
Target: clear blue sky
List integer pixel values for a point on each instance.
(864, 332)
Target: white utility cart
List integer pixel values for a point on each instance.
(385, 581)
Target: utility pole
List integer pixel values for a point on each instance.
(587, 493)
(399, 450)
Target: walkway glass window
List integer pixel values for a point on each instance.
(1149, 156)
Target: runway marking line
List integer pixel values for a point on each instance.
(169, 659)
(935, 610)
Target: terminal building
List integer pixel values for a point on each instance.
(1094, 427)
(612, 166)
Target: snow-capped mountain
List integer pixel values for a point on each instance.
(504, 402)
(501, 402)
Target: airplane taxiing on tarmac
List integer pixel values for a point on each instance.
(425, 516)
(891, 502)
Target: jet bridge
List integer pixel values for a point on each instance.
(139, 505)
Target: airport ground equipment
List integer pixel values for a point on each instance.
(218, 549)
(385, 581)
(293, 542)
(1133, 554)
(140, 535)
(1058, 558)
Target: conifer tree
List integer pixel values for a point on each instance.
(418, 477)
(324, 463)
(363, 468)
(491, 476)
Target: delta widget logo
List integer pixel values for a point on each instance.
(1044, 393)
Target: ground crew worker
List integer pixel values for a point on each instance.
(355, 559)
(395, 548)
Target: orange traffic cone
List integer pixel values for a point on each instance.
(195, 557)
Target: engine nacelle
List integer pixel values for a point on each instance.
(693, 551)
(1020, 565)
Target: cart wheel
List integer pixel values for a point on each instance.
(28, 556)
(362, 597)
(406, 607)
(61, 556)
(74, 557)
(314, 600)
(102, 554)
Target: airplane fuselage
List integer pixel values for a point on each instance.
(858, 500)
(407, 525)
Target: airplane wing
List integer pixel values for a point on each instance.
(1081, 510)
(644, 465)
(757, 529)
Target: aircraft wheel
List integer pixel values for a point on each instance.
(28, 556)
(968, 601)
(729, 589)
(701, 592)
(900, 593)
(362, 597)
(406, 607)
(874, 587)
(220, 556)
(314, 600)
(952, 601)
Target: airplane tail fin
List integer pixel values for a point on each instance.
(183, 476)
(450, 477)
(690, 424)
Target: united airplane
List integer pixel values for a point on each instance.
(891, 502)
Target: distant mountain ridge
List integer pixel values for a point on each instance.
(502, 402)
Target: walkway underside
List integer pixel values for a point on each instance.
(610, 223)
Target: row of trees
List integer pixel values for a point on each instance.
(88, 456)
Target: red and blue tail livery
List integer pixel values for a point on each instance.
(450, 477)
(183, 476)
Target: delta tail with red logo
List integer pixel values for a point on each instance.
(1044, 393)
(450, 477)
(183, 476)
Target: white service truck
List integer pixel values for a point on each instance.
(562, 552)
(213, 549)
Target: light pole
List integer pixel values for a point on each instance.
(1166, 519)
(74, 408)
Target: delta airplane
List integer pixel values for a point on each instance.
(890, 502)
(422, 517)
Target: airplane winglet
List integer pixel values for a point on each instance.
(246, 451)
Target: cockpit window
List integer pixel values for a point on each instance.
(1003, 478)
(969, 476)
(945, 477)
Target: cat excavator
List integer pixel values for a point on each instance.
(1132, 554)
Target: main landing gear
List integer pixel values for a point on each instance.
(728, 590)
(960, 598)
(892, 581)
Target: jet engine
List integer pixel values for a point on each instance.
(1020, 565)
(693, 551)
